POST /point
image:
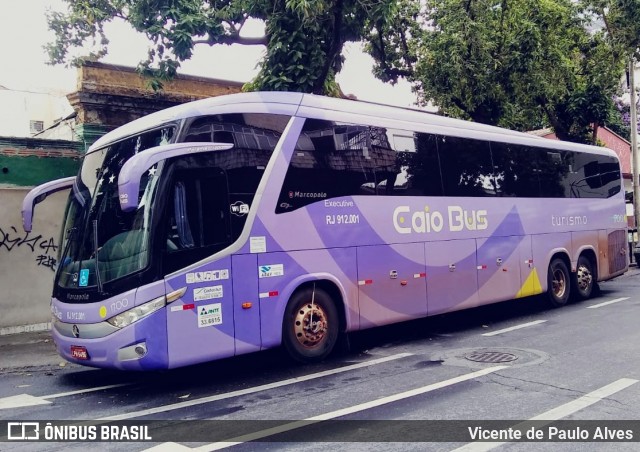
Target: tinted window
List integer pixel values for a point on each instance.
(211, 194)
(531, 172)
(467, 169)
(248, 130)
(516, 170)
(610, 177)
(333, 160)
(553, 171)
(417, 167)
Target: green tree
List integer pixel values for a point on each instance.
(303, 39)
(621, 28)
(515, 63)
(621, 19)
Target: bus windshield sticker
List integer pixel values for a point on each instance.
(239, 208)
(210, 315)
(84, 277)
(268, 271)
(258, 244)
(207, 293)
(212, 275)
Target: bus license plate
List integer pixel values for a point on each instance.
(79, 352)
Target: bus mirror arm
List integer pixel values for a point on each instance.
(39, 194)
(133, 170)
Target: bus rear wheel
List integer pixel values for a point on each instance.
(310, 327)
(584, 279)
(559, 286)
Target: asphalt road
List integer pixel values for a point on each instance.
(395, 389)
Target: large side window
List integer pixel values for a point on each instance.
(531, 172)
(593, 176)
(554, 169)
(417, 168)
(198, 222)
(333, 160)
(583, 176)
(610, 176)
(467, 169)
(211, 194)
(516, 170)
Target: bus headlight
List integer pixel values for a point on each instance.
(133, 315)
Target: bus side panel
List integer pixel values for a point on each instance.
(392, 283)
(200, 324)
(280, 274)
(544, 246)
(245, 290)
(499, 260)
(452, 277)
(528, 274)
(603, 255)
(581, 241)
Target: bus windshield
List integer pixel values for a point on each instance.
(102, 243)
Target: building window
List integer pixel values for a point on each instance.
(36, 126)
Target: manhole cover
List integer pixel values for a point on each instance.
(491, 357)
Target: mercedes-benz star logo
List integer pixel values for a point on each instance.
(76, 331)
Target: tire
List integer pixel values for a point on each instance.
(584, 279)
(559, 283)
(303, 343)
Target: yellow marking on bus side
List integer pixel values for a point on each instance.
(531, 286)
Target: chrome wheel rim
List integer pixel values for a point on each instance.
(559, 283)
(584, 278)
(310, 325)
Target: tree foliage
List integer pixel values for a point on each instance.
(303, 39)
(516, 63)
(621, 19)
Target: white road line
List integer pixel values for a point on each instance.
(557, 413)
(517, 327)
(617, 300)
(333, 414)
(21, 400)
(24, 400)
(84, 391)
(241, 392)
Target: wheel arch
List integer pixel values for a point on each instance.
(324, 281)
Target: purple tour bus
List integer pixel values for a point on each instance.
(243, 222)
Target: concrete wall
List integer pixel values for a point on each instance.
(27, 261)
(21, 107)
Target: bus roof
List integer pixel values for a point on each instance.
(310, 105)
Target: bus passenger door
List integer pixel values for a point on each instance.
(499, 264)
(452, 278)
(200, 325)
(392, 283)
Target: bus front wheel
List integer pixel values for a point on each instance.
(559, 286)
(310, 327)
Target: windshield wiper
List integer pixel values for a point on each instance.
(95, 252)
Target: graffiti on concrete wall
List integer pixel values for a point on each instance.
(43, 249)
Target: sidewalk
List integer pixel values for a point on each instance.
(28, 350)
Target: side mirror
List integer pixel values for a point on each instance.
(38, 195)
(136, 166)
